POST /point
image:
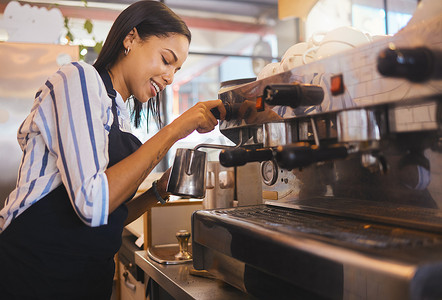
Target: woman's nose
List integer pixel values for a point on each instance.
(168, 77)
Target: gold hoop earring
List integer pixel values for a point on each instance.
(126, 51)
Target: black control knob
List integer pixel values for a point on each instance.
(415, 64)
(293, 95)
(231, 111)
(240, 156)
(216, 113)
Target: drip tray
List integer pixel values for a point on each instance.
(165, 254)
(341, 230)
(262, 249)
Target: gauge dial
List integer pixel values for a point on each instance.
(269, 172)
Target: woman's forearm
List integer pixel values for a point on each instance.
(125, 177)
(137, 206)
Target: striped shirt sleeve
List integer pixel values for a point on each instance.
(77, 131)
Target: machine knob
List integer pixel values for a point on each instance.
(293, 95)
(231, 111)
(216, 113)
(183, 239)
(415, 64)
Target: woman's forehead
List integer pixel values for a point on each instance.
(176, 44)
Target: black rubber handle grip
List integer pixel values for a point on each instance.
(293, 94)
(415, 64)
(290, 156)
(241, 156)
(216, 113)
(330, 153)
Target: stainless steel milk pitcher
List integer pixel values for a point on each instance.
(188, 175)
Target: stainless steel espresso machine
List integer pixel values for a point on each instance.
(350, 153)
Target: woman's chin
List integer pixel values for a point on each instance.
(144, 98)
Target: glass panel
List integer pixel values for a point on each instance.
(369, 18)
(370, 15)
(366, 15)
(236, 68)
(327, 15)
(399, 13)
(396, 21)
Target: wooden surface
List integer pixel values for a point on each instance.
(291, 8)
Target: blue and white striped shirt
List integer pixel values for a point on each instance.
(64, 140)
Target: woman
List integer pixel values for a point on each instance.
(61, 226)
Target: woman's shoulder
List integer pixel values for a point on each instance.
(77, 77)
(76, 74)
(75, 83)
(78, 67)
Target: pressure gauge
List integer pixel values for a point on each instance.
(269, 172)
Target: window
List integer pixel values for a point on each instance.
(377, 17)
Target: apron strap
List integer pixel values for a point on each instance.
(111, 93)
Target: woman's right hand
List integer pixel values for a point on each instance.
(199, 118)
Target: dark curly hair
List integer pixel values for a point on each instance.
(150, 18)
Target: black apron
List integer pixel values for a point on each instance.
(49, 253)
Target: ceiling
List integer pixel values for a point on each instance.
(245, 8)
(240, 10)
(245, 16)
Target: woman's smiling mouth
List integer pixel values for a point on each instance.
(156, 87)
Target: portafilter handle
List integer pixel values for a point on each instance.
(240, 156)
(300, 155)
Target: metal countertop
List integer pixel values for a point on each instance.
(177, 281)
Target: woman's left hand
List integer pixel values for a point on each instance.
(162, 183)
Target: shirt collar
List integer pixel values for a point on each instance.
(122, 107)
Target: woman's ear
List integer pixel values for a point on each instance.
(130, 38)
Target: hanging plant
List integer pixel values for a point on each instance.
(88, 26)
(69, 36)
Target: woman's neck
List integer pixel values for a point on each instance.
(118, 82)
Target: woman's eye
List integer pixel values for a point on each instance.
(164, 60)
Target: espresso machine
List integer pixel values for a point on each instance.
(349, 152)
